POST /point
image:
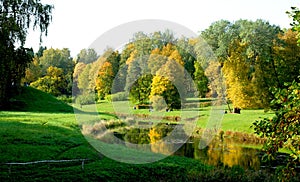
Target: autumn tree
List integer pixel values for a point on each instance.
(52, 82)
(137, 78)
(258, 37)
(104, 80)
(33, 72)
(16, 17)
(238, 75)
(287, 56)
(168, 81)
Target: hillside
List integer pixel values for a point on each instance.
(34, 100)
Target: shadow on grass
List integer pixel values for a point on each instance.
(24, 142)
(33, 100)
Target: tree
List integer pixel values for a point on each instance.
(140, 90)
(239, 79)
(59, 58)
(113, 57)
(84, 80)
(168, 79)
(16, 17)
(287, 56)
(257, 38)
(168, 83)
(33, 72)
(218, 36)
(77, 71)
(295, 15)
(104, 80)
(53, 83)
(87, 56)
(282, 131)
(200, 79)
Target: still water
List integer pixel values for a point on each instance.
(219, 151)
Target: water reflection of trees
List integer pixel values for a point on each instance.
(227, 153)
(219, 152)
(157, 144)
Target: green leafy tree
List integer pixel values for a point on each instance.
(295, 15)
(77, 71)
(140, 90)
(87, 56)
(218, 36)
(200, 79)
(282, 131)
(16, 17)
(84, 80)
(59, 58)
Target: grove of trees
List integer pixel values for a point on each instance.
(253, 57)
(149, 67)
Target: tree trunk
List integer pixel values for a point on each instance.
(237, 110)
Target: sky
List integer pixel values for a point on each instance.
(77, 24)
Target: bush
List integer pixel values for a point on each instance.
(120, 96)
(86, 99)
(65, 99)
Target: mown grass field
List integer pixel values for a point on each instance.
(228, 122)
(46, 129)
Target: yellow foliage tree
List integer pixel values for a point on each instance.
(169, 75)
(104, 80)
(51, 83)
(238, 75)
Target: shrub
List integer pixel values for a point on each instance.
(120, 96)
(86, 99)
(65, 99)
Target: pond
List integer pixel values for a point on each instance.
(219, 151)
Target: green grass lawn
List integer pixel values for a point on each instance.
(46, 129)
(228, 122)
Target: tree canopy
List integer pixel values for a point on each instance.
(16, 17)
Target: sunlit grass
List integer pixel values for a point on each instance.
(228, 122)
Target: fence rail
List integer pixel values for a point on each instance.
(46, 161)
